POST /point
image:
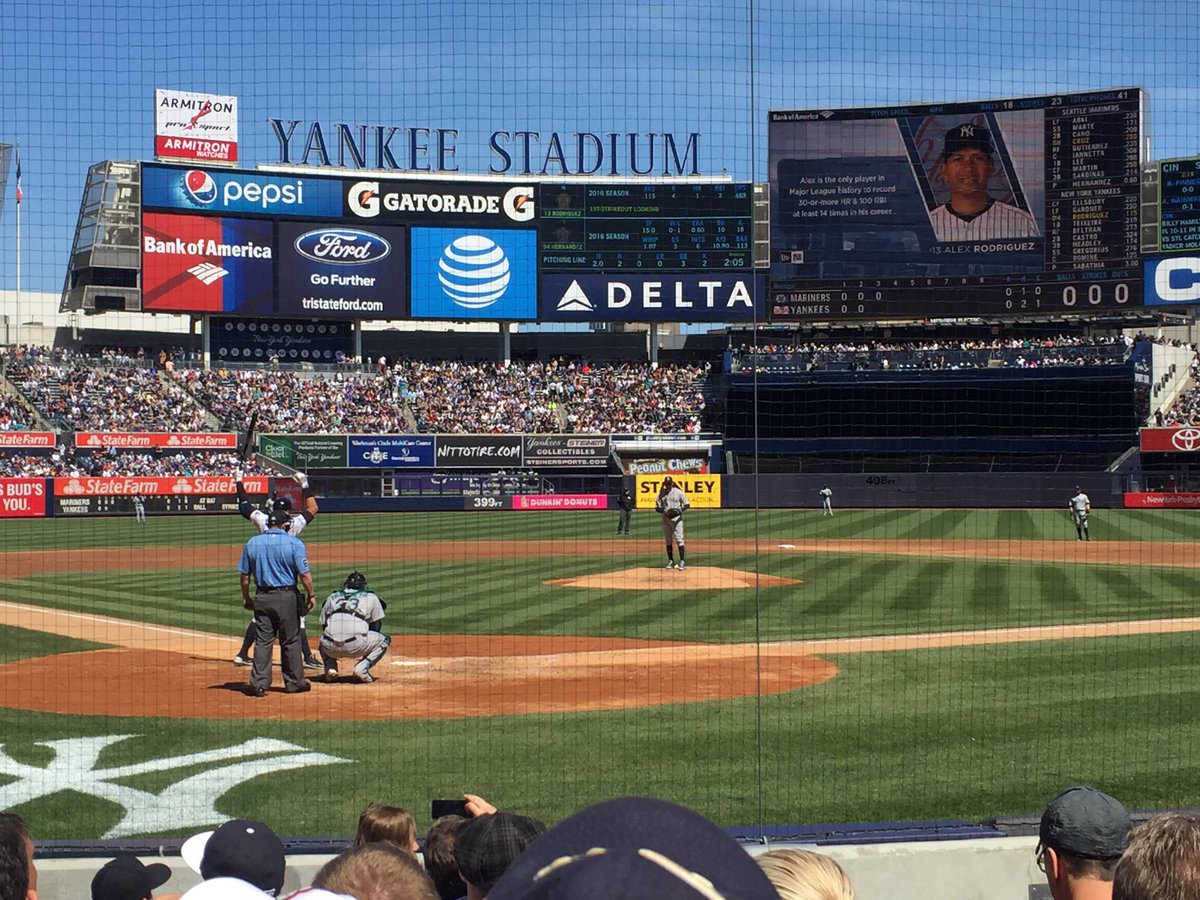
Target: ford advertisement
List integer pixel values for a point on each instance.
(342, 271)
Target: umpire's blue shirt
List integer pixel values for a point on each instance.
(275, 559)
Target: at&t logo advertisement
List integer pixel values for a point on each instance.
(333, 271)
(474, 274)
(216, 191)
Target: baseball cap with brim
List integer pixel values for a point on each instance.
(1085, 823)
(635, 848)
(968, 136)
(126, 878)
(484, 847)
(243, 849)
(225, 889)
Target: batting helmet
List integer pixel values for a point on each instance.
(668, 482)
(282, 504)
(356, 581)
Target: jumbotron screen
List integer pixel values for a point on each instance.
(1019, 206)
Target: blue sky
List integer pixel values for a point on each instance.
(77, 82)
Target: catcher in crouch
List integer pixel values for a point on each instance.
(672, 503)
(352, 618)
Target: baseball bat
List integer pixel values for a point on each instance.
(248, 441)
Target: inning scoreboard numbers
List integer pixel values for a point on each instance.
(1020, 206)
(621, 227)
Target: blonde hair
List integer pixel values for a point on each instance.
(802, 875)
(393, 824)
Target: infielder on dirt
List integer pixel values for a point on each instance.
(352, 620)
(296, 523)
(1080, 507)
(672, 503)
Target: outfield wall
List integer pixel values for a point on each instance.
(922, 870)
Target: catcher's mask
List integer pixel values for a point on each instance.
(356, 581)
(277, 517)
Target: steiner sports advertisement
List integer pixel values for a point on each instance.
(202, 264)
(341, 271)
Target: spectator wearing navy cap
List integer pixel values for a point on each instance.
(635, 848)
(242, 849)
(1082, 835)
(126, 878)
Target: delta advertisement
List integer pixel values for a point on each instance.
(715, 297)
(207, 264)
(195, 126)
(331, 270)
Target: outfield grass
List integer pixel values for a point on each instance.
(958, 732)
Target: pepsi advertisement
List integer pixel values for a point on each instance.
(207, 264)
(391, 452)
(254, 193)
(336, 271)
(481, 274)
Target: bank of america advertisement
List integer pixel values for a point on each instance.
(486, 274)
(205, 264)
(195, 126)
(339, 271)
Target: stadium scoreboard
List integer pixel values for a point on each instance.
(1171, 198)
(868, 220)
(623, 227)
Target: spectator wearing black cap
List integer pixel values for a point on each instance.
(635, 848)
(1082, 835)
(241, 849)
(1162, 861)
(971, 214)
(126, 878)
(487, 845)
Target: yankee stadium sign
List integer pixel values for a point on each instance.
(392, 147)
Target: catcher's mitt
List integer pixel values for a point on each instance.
(674, 513)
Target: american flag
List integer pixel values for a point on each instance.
(19, 194)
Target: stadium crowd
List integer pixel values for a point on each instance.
(65, 463)
(631, 847)
(1024, 353)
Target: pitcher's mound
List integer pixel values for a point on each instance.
(693, 578)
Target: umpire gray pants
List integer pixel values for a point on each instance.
(277, 614)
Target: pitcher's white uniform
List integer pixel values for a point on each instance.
(1080, 507)
(1000, 221)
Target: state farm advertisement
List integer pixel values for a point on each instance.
(152, 486)
(1162, 501)
(22, 497)
(195, 126)
(217, 440)
(26, 438)
(1170, 440)
(207, 264)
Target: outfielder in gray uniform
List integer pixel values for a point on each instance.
(1081, 507)
(971, 214)
(672, 503)
(352, 620)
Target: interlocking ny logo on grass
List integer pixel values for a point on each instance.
(188, 803)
